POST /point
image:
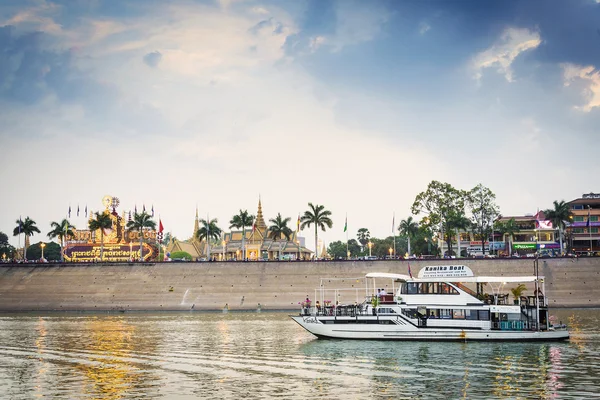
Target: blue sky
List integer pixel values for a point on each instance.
(351, 104)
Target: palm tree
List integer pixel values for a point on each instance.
(409, 228)
(101, 221)
(138, 223)
(317, 215)
(559, 215)
(363, 236)
(241, 221)
(28, 228)
(62, 230)
(280, 228)
(208, 230)
(456, 220)
(508, 228)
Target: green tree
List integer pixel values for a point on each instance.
(408, 228)
(363, 236)
(456, 220)
(318, 216)
(7, 251)
(438, 203)
(482, 203)
(337, 249)
(138, 223)
(508, 229)
(101, 221)
(28, 228)
(279, 229)
(61, 230)
(52, 251)
(180, 255)
(559, 215)
(242, 221)
(208, 230)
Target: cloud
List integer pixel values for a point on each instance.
(152, 59)
(588, 78)
(423, 28)
(501, 54)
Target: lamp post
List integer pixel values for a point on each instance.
(370, 244)
(390, 250)
(237, 255)
(348, 255)
(130, 251)
(589, 222)
(42, 245)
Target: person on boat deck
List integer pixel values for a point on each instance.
(318, 305)
(378, 292)
(383, 292)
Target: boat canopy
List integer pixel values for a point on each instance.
(462, 279)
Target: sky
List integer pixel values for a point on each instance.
(354, 105)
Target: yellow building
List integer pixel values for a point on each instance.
(257, 242)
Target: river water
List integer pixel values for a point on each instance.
(267, 355)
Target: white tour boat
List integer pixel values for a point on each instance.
(443, 303)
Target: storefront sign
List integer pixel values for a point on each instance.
(478, 243)
(90, 252)
(549, 246)
(591, 196)
(523, 246)
(445, 271)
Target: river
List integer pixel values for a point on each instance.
(266, 355)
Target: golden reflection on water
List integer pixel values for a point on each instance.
(40, 344)
(109, 374)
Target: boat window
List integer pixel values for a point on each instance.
(445, 313)
(471, 314)
(484, 315)
(447, 289)
(459, 314)
(412, 288)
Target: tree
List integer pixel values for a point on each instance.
(456, 220)
(408, 227)
(508, 228)
(6, 248)
(208, 230)
(440, 202)
(241, 221)
(181, 255)
(559, 216)
(337, 249)
(363, 236)
(52, 251)
(62, 230)
(484, 210)
(317, 215)
(28, 228)
(279, 229)
(101, 221)
(138, 223)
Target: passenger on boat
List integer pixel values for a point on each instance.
(383, 292)
(318, 305)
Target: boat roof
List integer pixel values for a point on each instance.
(464, 279)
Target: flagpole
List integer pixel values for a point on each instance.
(590, 227)
(207, 237)
(347, 244)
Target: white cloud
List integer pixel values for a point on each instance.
(424, 27)
(501, 55)
(589, 78)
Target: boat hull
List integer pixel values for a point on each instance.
(376, 331)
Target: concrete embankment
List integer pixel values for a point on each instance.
(243, 286)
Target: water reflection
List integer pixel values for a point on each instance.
(233, 355)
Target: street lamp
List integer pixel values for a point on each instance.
(390, 250)
(370, 244)
(130, 251)
(348, 254)
(237, 255)
(42, 245)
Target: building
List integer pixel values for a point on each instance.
(257, 241)
(535, 234)
(582, 231)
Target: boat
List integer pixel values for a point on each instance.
(444, 302)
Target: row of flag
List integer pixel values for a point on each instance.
(346, 223)
(135, 210)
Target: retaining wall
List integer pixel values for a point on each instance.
(243, 286)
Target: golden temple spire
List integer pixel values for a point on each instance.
(260, 221)
(196, 224)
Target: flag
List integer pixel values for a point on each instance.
(130, 215)
(78, 210)
(588, 223)
(346, 224)
(160, 226)
(253, 225)
(69, 211)
(20, 224)
(153, 210)
(298, 224)
(409, 271)
(144, 208)
(394, 223)
(135, 209)
(86, 210)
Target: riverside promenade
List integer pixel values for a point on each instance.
(244, 285)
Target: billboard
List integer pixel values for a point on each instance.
(90, 252)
